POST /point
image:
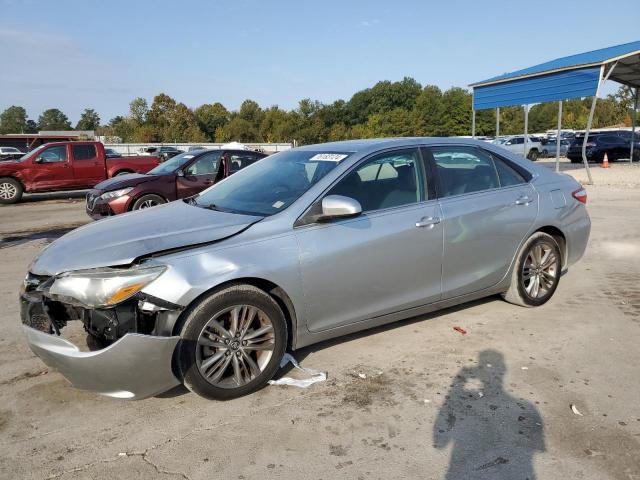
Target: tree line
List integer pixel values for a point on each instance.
(402, 108)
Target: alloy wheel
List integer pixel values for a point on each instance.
(148, 204)
(235, 346)
(7, 191)
(540, 270)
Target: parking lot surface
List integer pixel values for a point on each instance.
(416, 399)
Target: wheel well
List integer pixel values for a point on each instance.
(270, 288)
(13, 178)
(124, 170)
(559, 237)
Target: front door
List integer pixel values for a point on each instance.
(385, 260)
(487, 207)
(199, 174)
(52, 169)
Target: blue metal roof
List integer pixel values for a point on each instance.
(545, 88)
(595, 57)
(575, 76)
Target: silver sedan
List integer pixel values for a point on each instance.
(305, 245)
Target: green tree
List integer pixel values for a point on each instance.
(53, 119)
(430, 112)
(182, 126)
(162, 108)
(396, 123)
(89, 120)
(210, 117)
(138, 110)
(13, 120)
(457, 104)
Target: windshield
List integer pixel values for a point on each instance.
(172, 164)
(272, 184)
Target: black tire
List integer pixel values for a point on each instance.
(517, 292)
(125, 172)
(197, 318)
(147, 201)
(533, 155)
(575, 160)
(11, 191)
(545, 154)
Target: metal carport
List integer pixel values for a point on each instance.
(575, 76)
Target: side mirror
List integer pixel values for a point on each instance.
(38, 160)
(338, 206)
(508, 143)
(180, 173)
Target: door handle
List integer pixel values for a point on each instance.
(523, 200)
(427, 222)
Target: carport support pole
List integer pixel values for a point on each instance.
(558, 136)
(497, 122)
(590, 121)
(634, 116)
(526, 129)
(473, 123)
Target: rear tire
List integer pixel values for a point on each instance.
(148, 201)
(11, 191)
(219, 359)
(536, 273)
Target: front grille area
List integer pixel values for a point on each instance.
(92, 198)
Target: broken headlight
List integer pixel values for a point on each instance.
(102, 287)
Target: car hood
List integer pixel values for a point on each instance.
(123, 181)
(121, 239)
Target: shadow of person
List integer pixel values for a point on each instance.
(493, 435)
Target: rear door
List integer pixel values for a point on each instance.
(487, 208)
(88, 168)
(385, 260)
(200, 174)
(52, 169)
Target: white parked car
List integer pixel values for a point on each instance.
(10, 153)
(515, 145)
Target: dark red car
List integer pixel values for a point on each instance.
(181, 176)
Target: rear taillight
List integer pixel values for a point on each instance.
(580, 195)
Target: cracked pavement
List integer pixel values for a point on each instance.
(400, 401)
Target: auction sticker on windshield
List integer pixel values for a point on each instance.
(329, 157)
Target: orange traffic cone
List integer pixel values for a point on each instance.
(605, 161)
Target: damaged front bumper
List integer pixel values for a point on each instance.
(135, 366)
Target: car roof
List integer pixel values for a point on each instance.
(373, 144)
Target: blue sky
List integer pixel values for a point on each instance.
(77, 54)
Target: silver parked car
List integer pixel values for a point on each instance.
(305, 245)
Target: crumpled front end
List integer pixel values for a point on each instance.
(134, 367)
(135, 364)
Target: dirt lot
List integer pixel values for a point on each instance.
(432, 402)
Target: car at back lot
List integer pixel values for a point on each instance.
(515, 144)
(615, 145)
(10, 153)
(306, 245)
(181, 176)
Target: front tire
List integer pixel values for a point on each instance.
(232, 343)
(11, 191)
(533, 155)
(148, 201)
(536, 273)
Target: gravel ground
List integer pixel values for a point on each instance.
(415, 399)
(620, 174)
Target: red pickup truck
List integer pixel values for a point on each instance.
(65, 166)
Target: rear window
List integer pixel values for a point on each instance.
(84, 152)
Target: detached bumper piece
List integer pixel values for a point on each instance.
(134, 367)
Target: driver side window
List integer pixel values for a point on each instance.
(388, 180)
(205, 165)
(54, 155)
